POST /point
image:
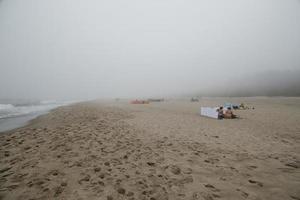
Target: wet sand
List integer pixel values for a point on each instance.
(165, 150)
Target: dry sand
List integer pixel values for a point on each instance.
(114, 150)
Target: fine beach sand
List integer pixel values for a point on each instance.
(108, 150)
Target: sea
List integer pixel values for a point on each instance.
(14, 114)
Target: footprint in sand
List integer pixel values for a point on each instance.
(252, 167)
(121, 191)
(202, 196)
(6, 153)
(58, 190)
(212, 188)
(152, 164)
(260, 184)
(294, 197)
(187, 171)
(130, 194)
(174, 169)
(5, 169)
(295, 164)
(244, 194)
(97, 169)
(54, 172)
(86, 178)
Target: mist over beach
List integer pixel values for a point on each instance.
(86, 50)
(150, 100)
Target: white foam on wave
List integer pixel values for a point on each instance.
(5, 106)
(8, 110)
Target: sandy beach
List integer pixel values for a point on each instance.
(108, 150)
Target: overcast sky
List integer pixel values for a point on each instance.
(78, 49)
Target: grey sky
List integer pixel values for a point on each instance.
(74, 49)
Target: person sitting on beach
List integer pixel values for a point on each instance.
(220, 113)
(229, 114)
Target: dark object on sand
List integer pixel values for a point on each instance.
(220, 113)
(194, 99)
(139, 102)
(244, 107)
(156, 100)
(232, 106)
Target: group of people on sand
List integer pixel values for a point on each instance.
(242, 106)
(225, 114)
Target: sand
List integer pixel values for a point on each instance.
(165, 150)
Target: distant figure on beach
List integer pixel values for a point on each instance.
(229, 114)
(242, 106)
(193, 99)
(220, 113)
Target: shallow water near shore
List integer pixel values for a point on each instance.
(11, 123)
(15, 116)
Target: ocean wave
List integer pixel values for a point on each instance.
(6, 106)
(9, 110)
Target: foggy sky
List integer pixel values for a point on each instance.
(75, 49)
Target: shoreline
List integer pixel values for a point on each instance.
(115, 150)
(13, 123)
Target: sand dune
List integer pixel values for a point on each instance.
(114, 150)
